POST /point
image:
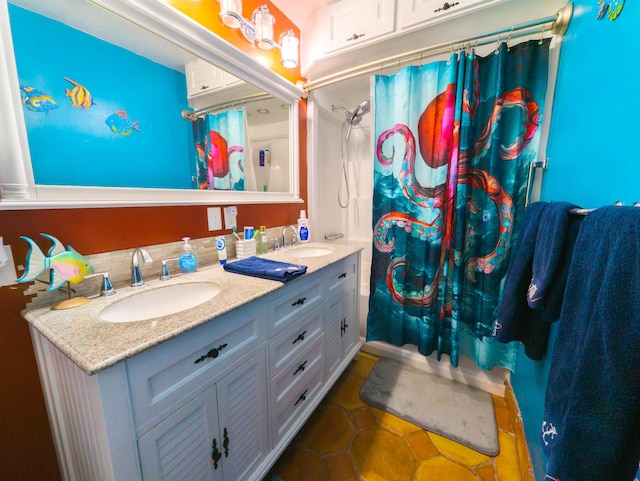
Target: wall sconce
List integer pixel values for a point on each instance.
(259, 30)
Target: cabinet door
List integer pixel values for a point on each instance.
(422, 12)
(202, 77)
(342, 327)
(186, 446)
(350, 23)
(244, 418)
(350, 335)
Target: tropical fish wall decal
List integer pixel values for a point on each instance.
(119, 123)
(66, 265)
(79, 95)
(37, 101)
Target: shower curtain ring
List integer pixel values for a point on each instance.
(398, 67)
(541, 36)
(497, 45)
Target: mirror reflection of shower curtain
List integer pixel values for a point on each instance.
(220, 150)
(454, 140)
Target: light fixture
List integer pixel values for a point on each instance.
(259, 30)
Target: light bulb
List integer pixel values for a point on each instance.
(231, 12)
(264, 21)
(289, 49)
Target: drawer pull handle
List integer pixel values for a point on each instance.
(213, 353)
(342, 276)
(225, 443)
(343, 326)
(204, 87)
(301, 368)
(300, 337)
(303, 397)
(299, 302)
(355, 36)
(446, 6)
(215, 453)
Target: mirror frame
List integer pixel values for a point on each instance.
(18, 189)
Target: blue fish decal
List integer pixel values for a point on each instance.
(37, 101)
(119, 123)
(80, 96)
(66, 265)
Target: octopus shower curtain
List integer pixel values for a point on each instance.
(220, 147)
(454, 143)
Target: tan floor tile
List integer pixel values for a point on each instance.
(486, 472)
(346, 392)
(504, 416)
(299, 465)
(458, 452)
(339, 467)
(363, 364)
(329, 431)
(440, 469)
(507, 460)
(380, 455)
(421, 445)
(364, 418)
(394, 423)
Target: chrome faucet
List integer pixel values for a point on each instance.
(295, 235)
(106, 288)
(136, 275)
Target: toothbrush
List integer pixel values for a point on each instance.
(235, 234)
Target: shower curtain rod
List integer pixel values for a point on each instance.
(191, 116)
(557, 25)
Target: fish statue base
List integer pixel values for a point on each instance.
(70, 303)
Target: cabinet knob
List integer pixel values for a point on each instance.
(204, 87)
(301, 368)
(300, 337)
(446, 6)
(342, 276)
(299, 302)
(355, 36)
(225, 442)
(213, 353)
(215, 453)
(303, 397)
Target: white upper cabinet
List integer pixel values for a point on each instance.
(348, 23)
(418, 13)
(203, 77)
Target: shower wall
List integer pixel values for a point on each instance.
(326, 137)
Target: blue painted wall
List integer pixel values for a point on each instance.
(593, 157)
(158, 155)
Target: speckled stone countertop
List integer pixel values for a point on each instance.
(94, 344)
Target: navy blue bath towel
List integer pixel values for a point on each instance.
(591, 427)
(266, 269)
(542, 255)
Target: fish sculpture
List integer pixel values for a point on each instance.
(37, 101)
(119, 123)
(66, 265)
(79, 95)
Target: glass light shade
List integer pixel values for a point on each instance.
(231, 12)
(264, 21)
(289, 49)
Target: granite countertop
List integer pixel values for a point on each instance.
(94, 345)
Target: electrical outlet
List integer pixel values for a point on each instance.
(230, 217)
(214, 217)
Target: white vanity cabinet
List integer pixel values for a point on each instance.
(218, 402)
(203, 77)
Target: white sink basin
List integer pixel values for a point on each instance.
(160, 302)
(309, 251)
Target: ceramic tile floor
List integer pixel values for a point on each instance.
(346, 439)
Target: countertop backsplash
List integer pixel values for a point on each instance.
(118, 265)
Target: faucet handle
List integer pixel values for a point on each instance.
(276, 245)
(106, 289)
(165, 274)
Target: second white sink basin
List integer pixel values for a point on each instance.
(159, 302)
(309, 251)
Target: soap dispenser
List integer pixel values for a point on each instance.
(303, 227)
(188, 260)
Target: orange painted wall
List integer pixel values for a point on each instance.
(26, 446)
(206, 12)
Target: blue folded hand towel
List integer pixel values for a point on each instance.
(266, 269)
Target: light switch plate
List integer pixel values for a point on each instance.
(230, 217)
(214, 217)
(8, 271)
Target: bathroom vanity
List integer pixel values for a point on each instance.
(214, 392)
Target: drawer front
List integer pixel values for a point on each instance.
(341, 272)
(287, 410)
(285, 309)
(293, 373)
(163, 375)
(296, 340)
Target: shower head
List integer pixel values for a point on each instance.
(354, 118)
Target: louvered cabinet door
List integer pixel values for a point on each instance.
(186, 446)
(243, 417)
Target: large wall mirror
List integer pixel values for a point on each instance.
(130, 102)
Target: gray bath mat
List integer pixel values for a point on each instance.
(456, 411)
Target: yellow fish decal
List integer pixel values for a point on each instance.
(80, 96)
(66, 265)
